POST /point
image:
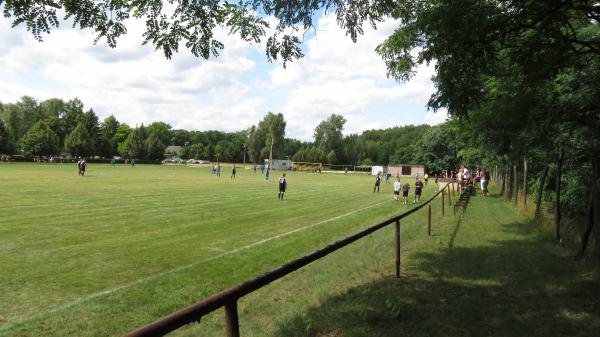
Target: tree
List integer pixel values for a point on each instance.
(4, 138)
(134, 146)
(155, 148)
(162, 131)
(193, 23)
(78, 142)
(90, 120)
(40, 140)
(270, 129)
(328, 134)
(107, 131)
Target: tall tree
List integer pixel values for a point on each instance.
(79, 142)
(4, 138)
(134, 146)
(155, 148)
(40, 140)
(328, 134)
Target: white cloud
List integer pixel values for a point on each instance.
(232, 92)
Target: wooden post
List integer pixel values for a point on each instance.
(557, 213)
(397, 248)
(443, 202)
(429, 221)
(449, 196)
(515, 184)
(525, 182)
(231, 320)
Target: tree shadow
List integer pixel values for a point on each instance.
(509, 288)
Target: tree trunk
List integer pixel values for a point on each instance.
(538, 202)
(501, 175)
(525, 183)
(557, 213)
(588, 230)
(515, 184)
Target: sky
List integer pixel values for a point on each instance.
(232, 92)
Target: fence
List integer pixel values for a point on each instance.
(228, 298)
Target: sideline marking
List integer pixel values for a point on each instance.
(110, 291)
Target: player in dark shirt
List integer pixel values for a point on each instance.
(377, 182)
(418, 190)
(282, 186)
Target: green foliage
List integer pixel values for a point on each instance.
(4, 138)
(328, 135)
(79, 143)
(134, 146)
(40, 140)
(155, 148)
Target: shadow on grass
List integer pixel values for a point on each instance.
(509, 288)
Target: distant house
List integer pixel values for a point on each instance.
(406, 170)
(172, 150)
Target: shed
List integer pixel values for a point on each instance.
(406, 170)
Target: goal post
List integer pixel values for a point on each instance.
(306, 166)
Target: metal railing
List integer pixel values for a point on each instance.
(228, 298)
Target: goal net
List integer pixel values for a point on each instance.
(306, 166)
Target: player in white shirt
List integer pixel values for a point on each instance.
(396, 189)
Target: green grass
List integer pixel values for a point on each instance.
(120, 247)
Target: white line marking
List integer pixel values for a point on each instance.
(113, 290)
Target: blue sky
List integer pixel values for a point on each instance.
(229, 93)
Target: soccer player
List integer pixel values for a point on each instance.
(282, 186)
(418, 190)
(396, 189)
(82, 166)
(79, 166)
(405, 189)
(233, 172)
(377, 182)
(218, 169)
(345, 171)
(426, 177)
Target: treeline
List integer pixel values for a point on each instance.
(54, 127)
(520, 79)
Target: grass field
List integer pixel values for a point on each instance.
(120, 247)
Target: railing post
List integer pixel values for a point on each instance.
(449, 196)
(231, 319)
(429, 221)
(443, 202)
(397, 248)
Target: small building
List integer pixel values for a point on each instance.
(280, 164)
(375, 170)
(172, 150)
(406, 170)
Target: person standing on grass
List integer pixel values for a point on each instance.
(262, 169)
(396, 189)
(132, 162)
(79, 166)
(418, 190)
(485, 178)
(282, 186)
(417, 176)
(377, 182)
(387, 177)
(212, 168)
(405, 189)
(345, 171)
(218, 169)
(233, 172)
(82, 166)
(426, 177)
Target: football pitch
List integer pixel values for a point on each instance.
(103, 254)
